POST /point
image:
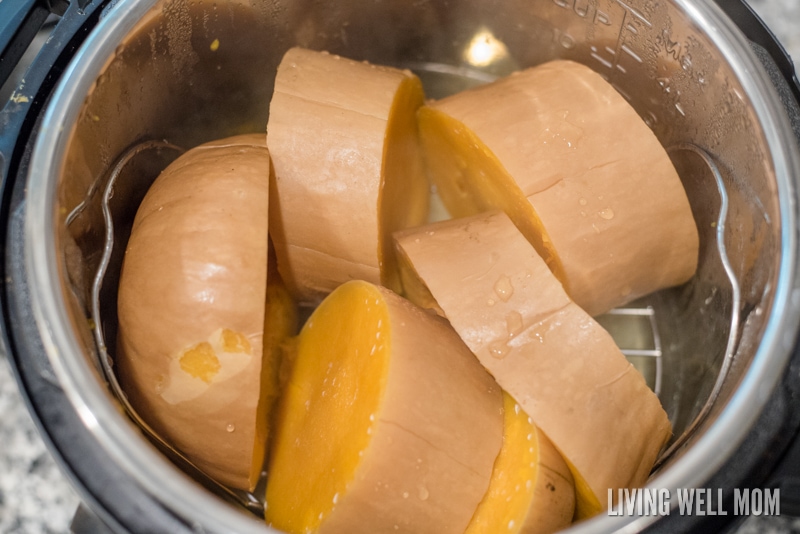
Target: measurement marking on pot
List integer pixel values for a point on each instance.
(635, 13)
(625, 48)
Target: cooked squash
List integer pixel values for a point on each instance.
(532, 490)
(388, 422)
(348, 170)
(577, 170)
(192, 319)
(558, 363)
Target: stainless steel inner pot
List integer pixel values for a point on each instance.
(149, 71)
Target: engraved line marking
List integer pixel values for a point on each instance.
(631, 53)
(635, 13)
(605, 62)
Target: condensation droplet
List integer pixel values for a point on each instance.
(606, 214)
(514, 323)
(335, 498)
(405, 495)
(499, 349)
(503, 288)
(423, 493)
(230, 427)
(582, 202)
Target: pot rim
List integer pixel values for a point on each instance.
(146, 467)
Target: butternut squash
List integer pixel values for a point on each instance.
(388, 422)
(577, 170)
(532, 490)
(558, 363)
(194, 358)
(348, 170)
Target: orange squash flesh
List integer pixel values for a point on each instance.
(532, 490)
(280, 324)
(544, 350)
(192, 308)
(348, 166)
(577, 170)
(388, 423)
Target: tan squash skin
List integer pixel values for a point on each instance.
(606, 208)
(427, 440)
(196, 263)
(343, 136)
(559, 364)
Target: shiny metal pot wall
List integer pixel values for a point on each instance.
(191, 71)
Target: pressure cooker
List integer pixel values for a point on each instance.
(707, 76)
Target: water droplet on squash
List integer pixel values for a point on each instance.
(499, 349)
(514, 323)
(503, 288)
(606, 214)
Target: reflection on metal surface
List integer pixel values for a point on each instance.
(485, 49)
(735, 295)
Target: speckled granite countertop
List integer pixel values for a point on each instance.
(36, 498)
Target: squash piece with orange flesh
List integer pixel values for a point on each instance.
(532, 490)
(191, 306)
(388, 423)
(348, 170)
(559, 364)
(577, 170)
(280, 324)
